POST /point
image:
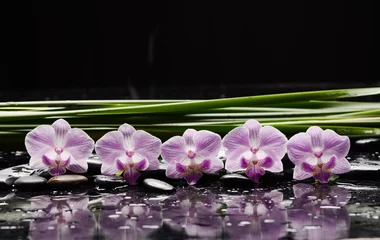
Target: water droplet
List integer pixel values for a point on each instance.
(269, 221)
(151, 226)
(243, 223)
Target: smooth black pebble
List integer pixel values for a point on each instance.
(157, 185)
(30, 183)
(6, 181)
(105, 181)
(236, 180)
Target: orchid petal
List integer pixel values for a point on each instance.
(255, 173)
(276, 167)
(322, 176)
(61, 127)
(273, 142)
(254, 128)
(77, 165)
(109, 147)
(331, 163)
(47, 161)
(40, 140)
(207, 143)
(307, 167)
(215, 165)
(180, 167)
(205, 165)
(174, 149)
(341, 166)
(79, 144)
(131, 175)
(244, 163)
(335, 144)
(171, 172)
(299, 148)
(112, 168)
(55, 171)
(36, 162)
(236, 142)
(127, 132)
(120, 165)
(193, 177)
(315, 134)
(266, 162)
(148, 146)
(188, 135)
(142, 165)
(300, 174)
(235, 164)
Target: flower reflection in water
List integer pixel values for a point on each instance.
(259, 215)
(319, 212)
(128, 218)
(61, 218)
(193, 211)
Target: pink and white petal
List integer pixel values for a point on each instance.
(127, 132)
(193, 177)
(233, 165)
(236, 142)
(61, 128)
(244, 162)
(299, 148)
(188, 135)
(266, 162)
(255, 173)
(315, 134)
(207, 143)
(78, 144)
(214, 165)
(300, 174)
(180, 167)
(48, 162)
(131, 175)
(174, 149)
(146, 145)
(77, 165)
(171, 172)
(341, 166)
(121, 166)
(142, 165)
(109, 168)
(322, 176)
(335, 144)
(273, 142)
(37, 162)
(277, 166)
(110, 147)
(40, 140)
(254, 128)
(55, 171)
(153, 164)
(307, 167)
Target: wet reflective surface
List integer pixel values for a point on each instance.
(286, 209)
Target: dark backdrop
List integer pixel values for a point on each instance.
(177, 49)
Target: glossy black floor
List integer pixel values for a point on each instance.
(279, 208)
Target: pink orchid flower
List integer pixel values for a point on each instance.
(255, 149)
(191, 155)
(318, 153)
(128, 151)
(59, 147)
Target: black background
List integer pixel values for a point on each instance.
(183, 49)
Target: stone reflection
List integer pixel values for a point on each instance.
(194, 213)
(124, 217)
(258, 215)
(319, 212)
(61, 218)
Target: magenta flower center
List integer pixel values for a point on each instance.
(129, 153)
(318, 154)
(191, 154)
(254, 149)
(58, 150)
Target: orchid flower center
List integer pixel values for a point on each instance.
(255, 162)
(318, 154)
(129, 153)
(191, 154)
(58, 150)
(254, 149)
(320, 165)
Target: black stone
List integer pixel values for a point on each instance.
(236, 180)
(30, 183)
(94, 165)
(6, 181)
(104, 181)
(156, 185)
(18, 171)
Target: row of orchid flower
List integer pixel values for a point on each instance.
(251, 148)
